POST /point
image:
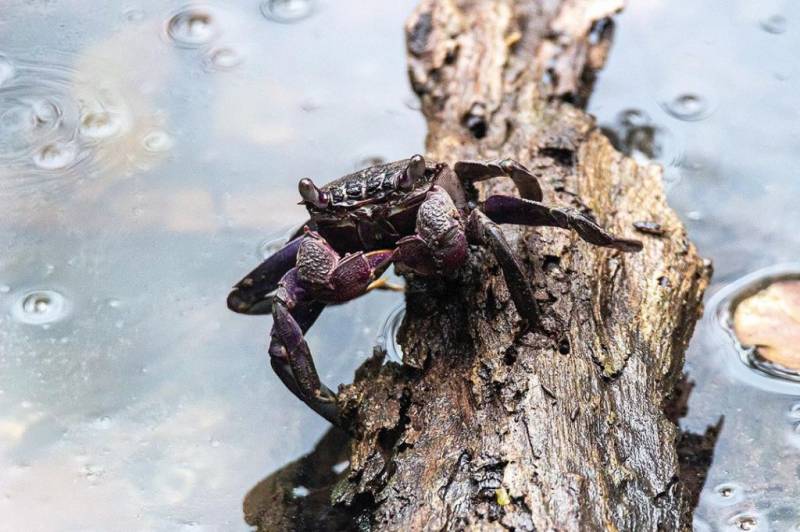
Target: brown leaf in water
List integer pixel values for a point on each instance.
(770, 321)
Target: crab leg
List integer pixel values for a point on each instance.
(473, 171)
(297, 304)
(439, 245)
(512, 210)
(291, 360)
(251, 294)
(290, 356)
(482, 230)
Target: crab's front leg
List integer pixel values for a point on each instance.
(321, 277)
(439, 245)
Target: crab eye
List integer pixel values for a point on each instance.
(414, 172)
(312, 195)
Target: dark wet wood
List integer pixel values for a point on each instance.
(490, 426)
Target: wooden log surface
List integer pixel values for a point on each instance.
(490, 425)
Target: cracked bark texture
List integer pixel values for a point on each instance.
(489, 426)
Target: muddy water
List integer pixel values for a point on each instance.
(149, 154)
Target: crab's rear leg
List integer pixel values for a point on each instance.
(251, 295)
(481, 230)
(526, 182)
(512, 210)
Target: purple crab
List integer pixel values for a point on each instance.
(415, 214)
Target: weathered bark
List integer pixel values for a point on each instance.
(561, 426)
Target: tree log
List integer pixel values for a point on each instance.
(488, 424)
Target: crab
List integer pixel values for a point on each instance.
(417, 215)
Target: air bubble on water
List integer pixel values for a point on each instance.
(688, 107)
(114, 303)
(694, 216)
(46, 114)
(40, 307)
(287, 11)
(774, 24)
(4, 289)
(6, 70)
(340, 467)
(223, 58)
(133, 15)
(192, 26)
(99, 124)
(157, 141)
(728, 493)
(744, 522)
(387, 337)
(55, 156)
(300, 491)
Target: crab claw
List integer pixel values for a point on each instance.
(414, 172)
(312, 195)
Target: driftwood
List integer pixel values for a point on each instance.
(488, 425)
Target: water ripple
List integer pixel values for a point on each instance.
(58, 128)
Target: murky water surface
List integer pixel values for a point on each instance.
(149, 154)
(710, 90)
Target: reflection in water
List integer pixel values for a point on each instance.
(635, 134)
(387, 337)
(146, 150)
